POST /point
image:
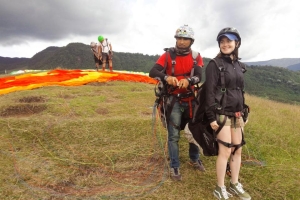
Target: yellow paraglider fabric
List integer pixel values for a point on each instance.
(66, 78)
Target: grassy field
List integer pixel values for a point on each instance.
(98, 141)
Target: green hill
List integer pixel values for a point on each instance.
(274, 83)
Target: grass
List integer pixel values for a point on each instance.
(96, 142)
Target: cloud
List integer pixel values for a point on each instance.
(54, 20)
(267, 27)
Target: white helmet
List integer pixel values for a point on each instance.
(185, 31)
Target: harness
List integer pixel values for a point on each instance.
(105, 46)
(220, 108)
(164, 91)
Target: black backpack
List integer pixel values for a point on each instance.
(199, 131)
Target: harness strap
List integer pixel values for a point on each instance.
(189, 100)
(226, 144)
(230, 145)
(172, 53)
(237, 146)
(168, 113)
(105, 45)
(184, 97)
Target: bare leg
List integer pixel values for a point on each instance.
(103, 65)
(235, 160)
(110, 65)
(224, 154)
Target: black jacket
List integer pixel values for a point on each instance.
(234, 83)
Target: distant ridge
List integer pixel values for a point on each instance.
(282, 62)
(295, 67)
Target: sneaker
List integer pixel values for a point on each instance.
(221, 193)
(197, 165)
(175, 174)
(239, 191)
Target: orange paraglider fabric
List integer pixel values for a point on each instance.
(66, 78)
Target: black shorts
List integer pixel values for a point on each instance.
(97, 60)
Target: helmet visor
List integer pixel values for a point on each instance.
(228, 35)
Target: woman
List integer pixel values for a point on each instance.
(227, 104)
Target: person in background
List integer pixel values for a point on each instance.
(94, 49)
(105, 52)
(228, 108)
(180, 80)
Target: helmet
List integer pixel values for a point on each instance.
(184, 31)
(93, 44)
(230, 30)
(100, 38)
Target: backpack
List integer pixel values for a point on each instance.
(162, 90)
(199, 131)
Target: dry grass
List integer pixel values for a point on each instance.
(96, 142)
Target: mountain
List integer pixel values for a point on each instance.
(76, 56)
(10, 64)
(295, 67)
(283, 62)
(276, 83)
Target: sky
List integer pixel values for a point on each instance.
(269, 28)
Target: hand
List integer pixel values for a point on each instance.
(171, 80)
(183, 83)
(214, 125)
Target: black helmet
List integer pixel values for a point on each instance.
(230, 30)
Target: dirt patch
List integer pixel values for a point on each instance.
(22, 110)
(32, 99)
(27, 106)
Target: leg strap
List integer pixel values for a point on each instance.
(236, 146)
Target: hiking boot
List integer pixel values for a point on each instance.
(175, 174)
(239, 191)
(197, 165)
(221, 193)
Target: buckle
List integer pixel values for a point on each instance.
(237, 114)
(184, 95)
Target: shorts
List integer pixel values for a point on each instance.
(97, 60)
(233, 122)
(106, 56)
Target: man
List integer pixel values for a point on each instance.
(105, 52)
(94, 49)
(180, 75)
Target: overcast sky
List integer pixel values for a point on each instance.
(269, 28)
